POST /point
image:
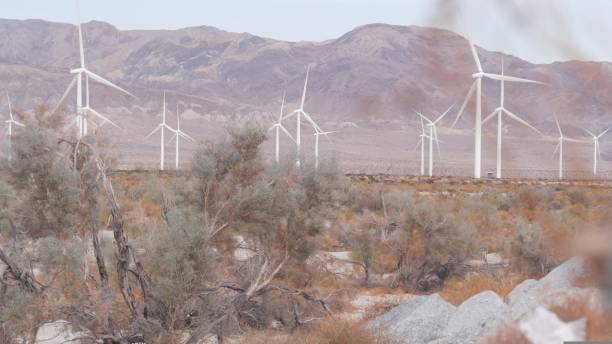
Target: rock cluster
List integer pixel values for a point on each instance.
(430, 319)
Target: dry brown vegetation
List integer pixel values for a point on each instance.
(174, 269)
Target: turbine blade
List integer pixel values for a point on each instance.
(81, 48)
(311, 121)
(153, 132)
(280, 117)
(305, 87)
(70, 86)
(511, 79)
(523, 122)
(103, 81)
(423, 117)
(171, 138)
(465, 102)
(559, 126)
(435, 131)
(574, 140)
(475, 55)
(291, 114)
(8, 99)
(444, 114)
(288, 133)
(169, 127)
(490, 116)
(185, 136)
(556, 149)
(103, 118)
(502, 87)
(604, 132)
(419, 143)
(589, 132)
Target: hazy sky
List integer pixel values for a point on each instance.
(537, 30)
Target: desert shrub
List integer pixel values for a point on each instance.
(278, 212)
(528, 247)
(48, 189)
(536, 197)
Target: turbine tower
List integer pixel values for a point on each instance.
(596, 148)
(162, 127)
(477, 86)
(317, 134)
(299, 113)
(433, 136)
(10, 123)
(178, 132)
(82, 76)
(559, 147)
(499, 112)
(279, 126)
(421, 143)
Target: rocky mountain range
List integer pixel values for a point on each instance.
(368, 82)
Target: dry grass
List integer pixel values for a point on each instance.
(326, 332)
(456, 290)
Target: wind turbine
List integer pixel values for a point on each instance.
(433, 136)
(559, 146)
(161, 127)
(477, 86)
(279, 126)
(177, 133)
(421, 143)
(10, 123)
(499, 112)
(82, 75)
(317, 134)
(596, 148)
(299, 113)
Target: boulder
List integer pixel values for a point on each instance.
(522, 298)
(565, 275)
(475, 317)
(556, 285)
(419, 320)
(60, 332)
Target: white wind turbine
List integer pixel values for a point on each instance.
(317, 134)
(499, 112)
(82, 75)
(596, 148)
(299, 113)
(279, 126)
(10, 123)
(477, 86)
(421, 143)
(162, 127)
(433, 136)
(559, 146)
(178, 133)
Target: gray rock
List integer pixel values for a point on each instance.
(419, 320)
(528, 295)
(60, 332)
(475, 317)
(565, 275)
(522, 298)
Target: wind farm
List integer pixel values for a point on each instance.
(285, 172)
